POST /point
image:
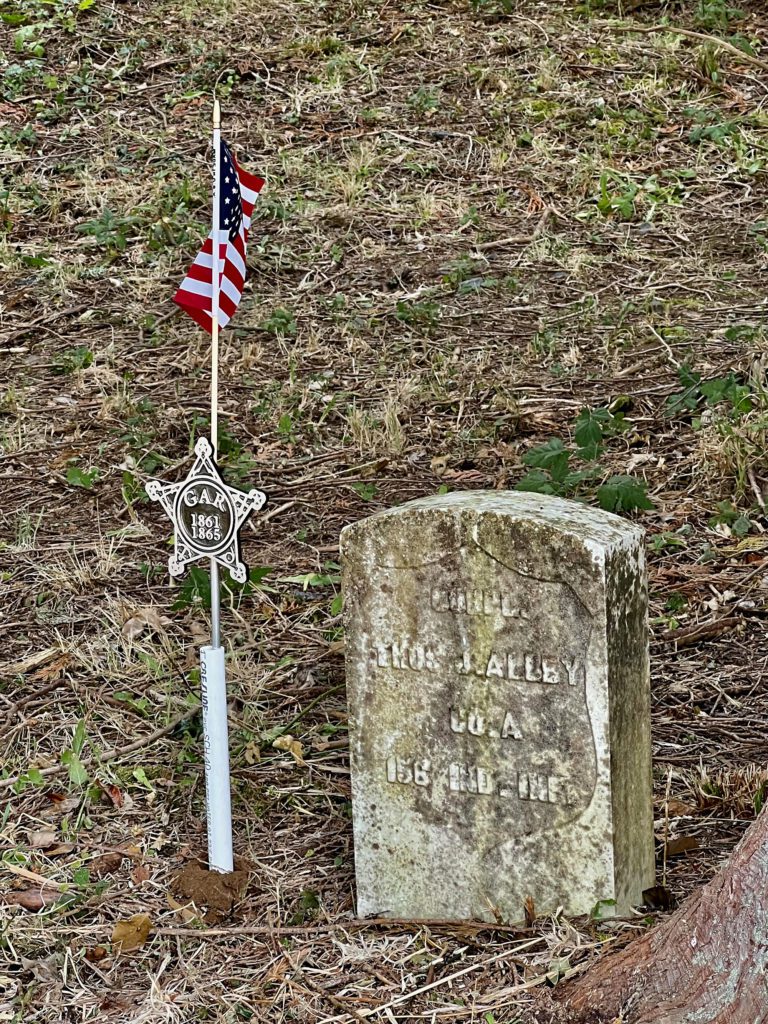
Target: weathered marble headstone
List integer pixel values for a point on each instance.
(497, 673)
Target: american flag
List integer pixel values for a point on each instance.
(238, 193)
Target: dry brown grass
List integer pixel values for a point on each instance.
(433, 290)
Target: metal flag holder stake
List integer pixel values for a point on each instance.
(207, 516)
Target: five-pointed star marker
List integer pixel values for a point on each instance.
(206, 515)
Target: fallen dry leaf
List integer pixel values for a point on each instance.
(293, 746)
(131, 934)
(200, 637)
(61, 804)
(187, 915)
(113, 793)
(143, 618)
(529, 907)
(682, 845)
(30, 899)
(59, 849)
(140, 874)
(678, 808)
(40, 839)
(252, 753)
(439, 464)
(106, 864)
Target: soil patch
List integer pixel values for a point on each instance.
(214, 894)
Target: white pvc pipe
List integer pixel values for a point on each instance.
(216, 741)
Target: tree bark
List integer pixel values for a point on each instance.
(706, 964)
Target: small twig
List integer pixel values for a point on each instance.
(313, 703)
(276, 512)
(20, 668)
(690, 34)
(650, 358)
(701, 630)
(32, 876)
(353, 924)
(665, 345)
(666, 829)
(756, 488)
(754, 572)
(498, 243)
(13, 709)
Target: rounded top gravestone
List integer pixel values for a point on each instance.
(497, 675)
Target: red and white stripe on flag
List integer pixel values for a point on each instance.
(195, 292)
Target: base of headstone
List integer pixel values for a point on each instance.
(498, 684)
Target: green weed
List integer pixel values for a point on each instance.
(366, 491)
(20, 78)
(727, 514)
(758, 232)
(422, 315)
(70, 757)
(281, 323)
(110, 230)
(78, 477)
(73, 359)
(716, 15)
(424, 100)
(195, 590)
(492, 8)
(552, 470)
(621, 197)
(330, 578)
(668, 540)
(698, 392)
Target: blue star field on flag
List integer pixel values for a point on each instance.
(231, 204)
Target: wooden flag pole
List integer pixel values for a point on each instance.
(212, 670)
(215, 608)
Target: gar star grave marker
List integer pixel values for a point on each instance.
(497, 673)
(206, 514)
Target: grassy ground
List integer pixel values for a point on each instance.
(481, 219)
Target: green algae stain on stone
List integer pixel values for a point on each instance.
(480, 655)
